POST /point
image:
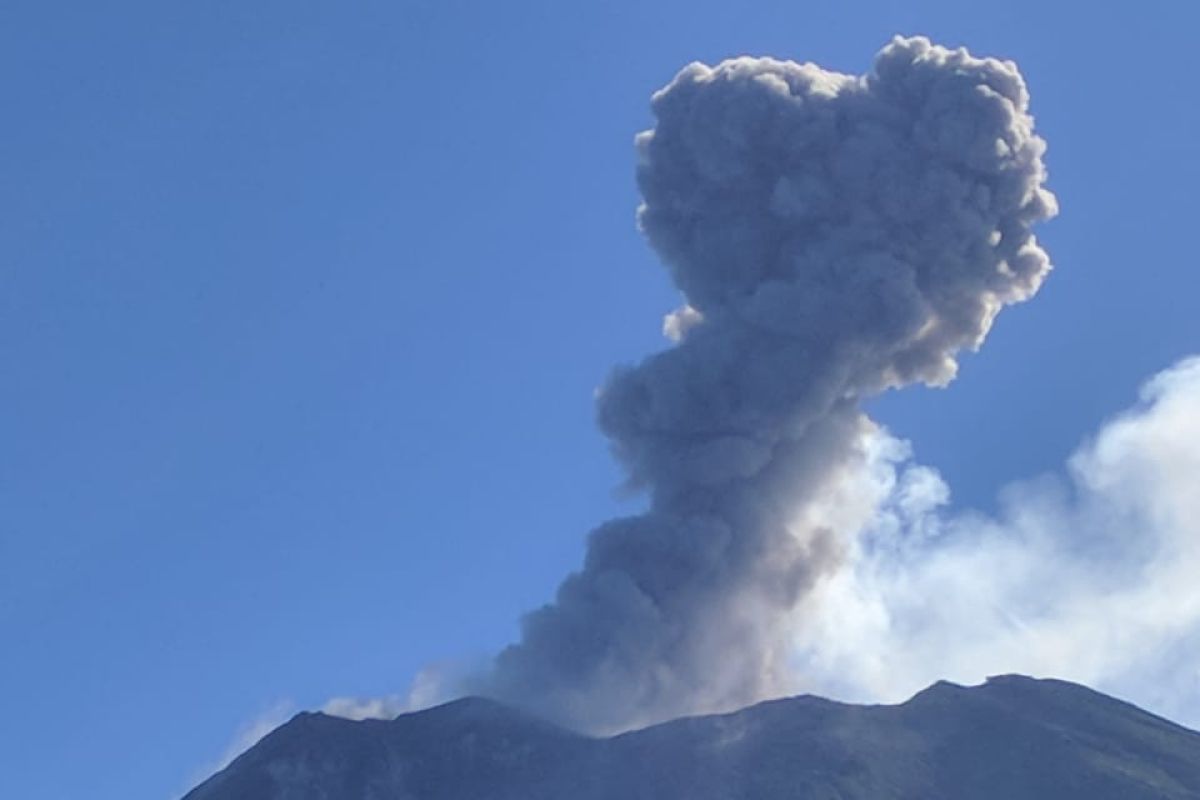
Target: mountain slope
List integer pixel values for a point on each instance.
(1013, 737)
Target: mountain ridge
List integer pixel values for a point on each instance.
(1011, 736)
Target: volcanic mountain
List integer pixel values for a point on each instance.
(1012, 737)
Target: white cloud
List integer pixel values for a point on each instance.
(358, 708)
(1092, 575)
(429, 687)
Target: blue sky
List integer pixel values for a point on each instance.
(303, 305)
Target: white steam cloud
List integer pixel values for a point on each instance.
(1091, 576)
(832, 236)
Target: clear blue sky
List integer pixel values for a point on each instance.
(302, 306)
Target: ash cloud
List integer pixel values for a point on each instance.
(832, 236)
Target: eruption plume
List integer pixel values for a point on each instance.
(833, 236)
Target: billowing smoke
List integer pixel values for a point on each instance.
(832, 236)
(1088, 575)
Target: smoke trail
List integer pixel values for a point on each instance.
(832, 236)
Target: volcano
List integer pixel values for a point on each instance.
(1012, 737)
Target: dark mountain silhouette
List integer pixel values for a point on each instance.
(1013, 738)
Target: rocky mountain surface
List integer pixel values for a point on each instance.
(1013, 738)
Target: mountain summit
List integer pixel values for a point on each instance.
(1012, 737)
